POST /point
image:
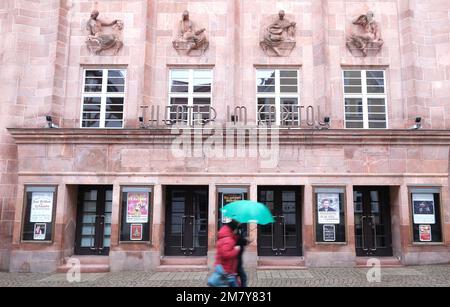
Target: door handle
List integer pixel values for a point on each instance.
(284, 232)
(102, 222)
(273, 247)
(374, 233)
(183, 219)
(363, 240)
(193, 233)
(93, 248)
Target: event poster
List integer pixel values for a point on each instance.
(40, 230)
(423, 209)
(329, 233)
(328, 208)
(137, 207)
(41, 207)
(425, 233)
(229, 198)
(136, 232)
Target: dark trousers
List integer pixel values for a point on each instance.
(241, 274)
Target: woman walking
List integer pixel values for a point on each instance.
(228, 251)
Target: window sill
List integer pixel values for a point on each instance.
(331, 243)
(428, 244)
(36, 242)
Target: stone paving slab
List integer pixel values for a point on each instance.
(420, 276)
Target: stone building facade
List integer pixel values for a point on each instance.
(376, 179)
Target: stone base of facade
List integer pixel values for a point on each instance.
(331, 260)
(134, 261)
(424, 258)
(211, 259)
(35, 261)
(4, 260)
(250, 259)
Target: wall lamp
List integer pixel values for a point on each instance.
(326, 123)
(418, 123)
(141, 123)
(50, 123)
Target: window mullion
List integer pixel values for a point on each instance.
(364, 99)
(82, 100)
(103, 99)
(191, 97)
(277, 97)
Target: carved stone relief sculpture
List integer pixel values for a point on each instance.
(190, 41)
(278, 39)
(100, 39)
(366, 38)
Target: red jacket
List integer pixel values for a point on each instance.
(227, 255)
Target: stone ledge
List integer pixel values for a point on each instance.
(165, 136)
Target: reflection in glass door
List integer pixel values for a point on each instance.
(372, 221)
(94, 220)
(281, 238)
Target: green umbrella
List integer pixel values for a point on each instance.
(247, 211)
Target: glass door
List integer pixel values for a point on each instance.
(94, 220)
(372, 221)
(281, 238)
(186, 221)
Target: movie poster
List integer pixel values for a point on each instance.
(328, 208)
(423, 209)
(229, 198)
(136, 232)
(137, 207)
(41, 207)
(40, 230)
(329, 233)
(425, 233)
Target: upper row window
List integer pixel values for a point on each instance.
(103, 98)
(365, 99)
(190, 95)
(277, 96)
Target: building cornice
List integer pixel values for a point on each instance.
(165, 136)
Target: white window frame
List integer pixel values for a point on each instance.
(277, 95)
(103, 97)
(190, 95)
(365, 96)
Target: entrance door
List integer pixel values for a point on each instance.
(186, 221)
(94, 220)
(281, 238)
(372, 221)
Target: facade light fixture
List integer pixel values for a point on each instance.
(418, 123)
(325, 124)
(50, 123)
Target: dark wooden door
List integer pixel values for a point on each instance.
(186, 232)
(372, 221)
(283, 237)
(94, 220)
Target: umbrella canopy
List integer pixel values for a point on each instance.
(247, 211)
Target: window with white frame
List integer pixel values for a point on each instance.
(365, 99)
(190, 95)
(103, 98)
(277, 97)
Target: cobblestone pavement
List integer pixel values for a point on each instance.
(341, 277)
